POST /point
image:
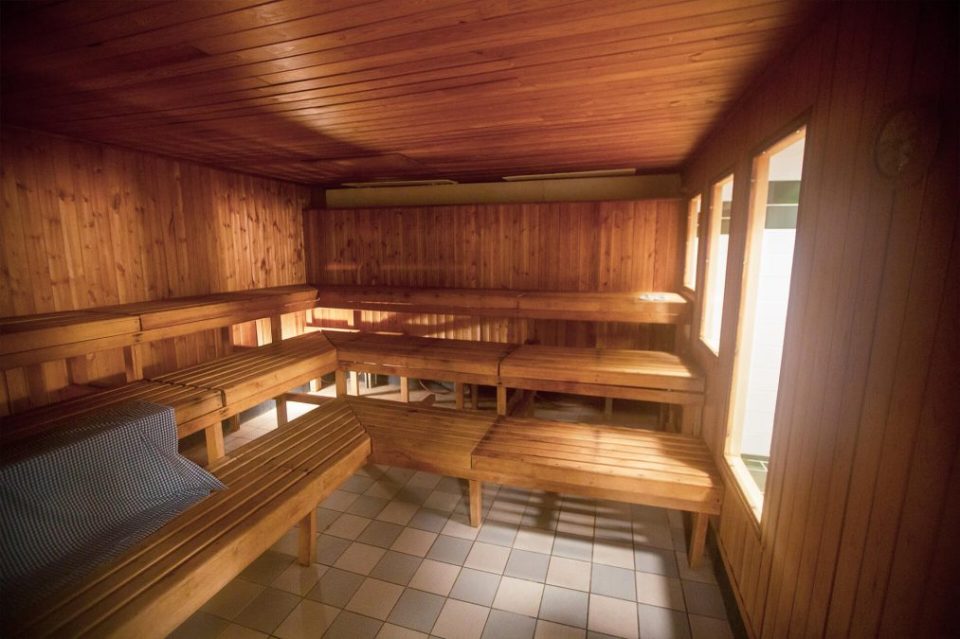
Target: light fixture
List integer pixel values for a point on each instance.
(570, 175)
(385, 183)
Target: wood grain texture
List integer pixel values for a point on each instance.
(575, 247)
(324, 93)
(85, 225)
(858, 501)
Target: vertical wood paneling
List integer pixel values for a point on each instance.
(584, 246)
(86, 225)
(867, 433)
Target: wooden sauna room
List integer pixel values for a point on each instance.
(479, 319)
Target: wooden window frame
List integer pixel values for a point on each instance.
(714, 216)
(691, 261)
(756, 220)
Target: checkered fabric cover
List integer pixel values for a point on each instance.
(88, 494)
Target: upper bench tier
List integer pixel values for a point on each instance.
(31, 339)
(655, 307)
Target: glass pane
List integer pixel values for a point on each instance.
(769, 311)
(693, 244)
(720, 208)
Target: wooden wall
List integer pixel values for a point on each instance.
(592, 246)
(859, 533)
(86, 225)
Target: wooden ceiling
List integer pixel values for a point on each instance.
(347, 90)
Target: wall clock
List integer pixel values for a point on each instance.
(907, 142)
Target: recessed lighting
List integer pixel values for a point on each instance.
(385, 183)
(571, 174)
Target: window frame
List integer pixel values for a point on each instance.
(692, 257)
(755, 223)
(713, 221)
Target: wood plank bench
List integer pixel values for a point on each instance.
(206, 394)
(632, 465)
(657, 307)
(606, 462)
(248, 378)
(436, 440)
(651, 376)
(273, 483)
(32, 339)
(194, 409)
(459, 361)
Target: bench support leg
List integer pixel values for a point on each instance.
(341, 381)
(476, 502)
(690, 419)
(316, 384)
(501, 399)
(233, 423)
(474, 396)
(281, 410)
(608, 407)
(133, 362)
(404, 389)
(214, 436)
(77, 367)
(698, 538)
(308, 539)
(226, 340)
(276, 329)
(458, 394)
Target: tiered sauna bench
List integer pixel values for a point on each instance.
(459, 361)
(194, 409)
(651, 376)
(642, 307)
(33, 339)
(246, 379)
(276, 482)
(606, 462)
(202, 396)
(273, 483)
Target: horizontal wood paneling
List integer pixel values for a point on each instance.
(86, 225)
(861, 495)
(587, 246)
(344, 90)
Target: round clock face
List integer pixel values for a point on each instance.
(907, 142)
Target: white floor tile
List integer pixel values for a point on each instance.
(435, 576)
(569, 573)
(359, 558)
(375, 598)
(460, 620)
(613, 617)
(414, 542)
(519, 596)
(487, 557)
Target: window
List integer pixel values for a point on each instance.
(693, 243)
(771, 232)
(721, 200)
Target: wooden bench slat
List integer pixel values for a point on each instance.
(613, 367)
(698, 486)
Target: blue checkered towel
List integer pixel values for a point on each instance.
(89, 492)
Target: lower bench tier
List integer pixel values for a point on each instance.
(207, 393)
(277, 481)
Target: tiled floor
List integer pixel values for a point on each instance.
(396, 558)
